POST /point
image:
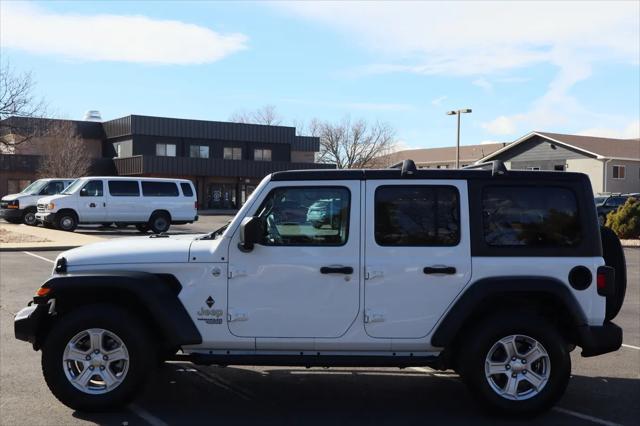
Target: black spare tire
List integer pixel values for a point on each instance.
(613, 255)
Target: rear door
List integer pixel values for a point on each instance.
(302, 280)
(417, 254)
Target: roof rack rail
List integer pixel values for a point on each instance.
(497, 167)
(407, 167)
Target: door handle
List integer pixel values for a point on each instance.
(104, 204)
(92, 204)
(448, 270)
(336, 270)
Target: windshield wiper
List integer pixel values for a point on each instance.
(214, 234)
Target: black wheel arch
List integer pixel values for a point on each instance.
(151, 297)
(543, 295)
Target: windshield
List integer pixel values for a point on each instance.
(34, 188)
(73, 187)
(599, 200)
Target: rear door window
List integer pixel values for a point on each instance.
(186, 189)
(417, 216)
(530, 216)
(124, 188)
(159, 189)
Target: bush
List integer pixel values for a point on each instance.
(625, 221)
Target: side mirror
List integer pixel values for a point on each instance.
(83, 192)
(251, 232)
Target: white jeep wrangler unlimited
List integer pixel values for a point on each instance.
(497, 275)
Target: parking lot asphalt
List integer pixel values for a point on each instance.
(603, 390)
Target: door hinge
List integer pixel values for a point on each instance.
(371, 316)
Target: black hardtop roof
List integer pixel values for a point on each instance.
(394, 173)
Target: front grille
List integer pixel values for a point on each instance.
(3, 204)
(41, 207)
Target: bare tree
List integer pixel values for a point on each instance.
(18, 105)
(264, 115)
(65, 153)
(350, 144)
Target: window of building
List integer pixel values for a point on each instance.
(618, 172)
(158, 189)
(199, 151)
(262, 154)
(232, 153)
(186, 189)
(124, 188)
(306, 216)
(119, 150)
(93, 188)
(165, 150)
(16, 185)
(530, 216)
(417, 216)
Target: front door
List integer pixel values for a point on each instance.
(417, 254)
(302, 279)
(93, 203)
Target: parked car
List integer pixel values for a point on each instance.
(149, 203)
(606, 204)
(324, 212)
(495, 274)
(21, 207)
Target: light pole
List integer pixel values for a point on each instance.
(458, 112)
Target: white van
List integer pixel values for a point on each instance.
(21, 207)
(149, 203)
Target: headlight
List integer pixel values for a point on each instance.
(51, 206)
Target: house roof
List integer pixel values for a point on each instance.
(593, 146)
(468, 154)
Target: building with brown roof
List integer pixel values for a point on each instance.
(441, 158)
(613, 165)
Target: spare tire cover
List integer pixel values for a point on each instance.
(613, 255)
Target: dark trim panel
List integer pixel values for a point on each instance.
(483, 290)
(157, 293)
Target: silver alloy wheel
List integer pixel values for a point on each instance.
(30, 218)
(517, 367)
(66, 222)
(95, 361)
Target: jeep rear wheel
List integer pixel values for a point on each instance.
(515, 363)
(97, 357)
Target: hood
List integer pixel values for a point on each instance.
(49, 198)
(134, 250)
(12, 197)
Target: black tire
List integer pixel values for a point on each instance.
(613, 255)
(115, 320)
(476, 344)
(66, 221)
(14, 221)
(48, 225)
(159, 222)
(142, 227)
(29, 217)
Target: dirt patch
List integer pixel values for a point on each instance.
(16, 237)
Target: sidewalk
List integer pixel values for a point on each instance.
(33, 238)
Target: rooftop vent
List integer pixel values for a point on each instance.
(93, 115)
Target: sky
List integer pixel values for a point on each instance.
(565, 67)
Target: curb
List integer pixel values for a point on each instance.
(38, 248)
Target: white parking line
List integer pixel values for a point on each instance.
(585, 417)
(38, 257)
(146, 416)
(631, 347)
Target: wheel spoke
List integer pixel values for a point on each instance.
(534, 379)
(108, 377)
(96, 339)
(84, 377)
(117, 354)
(494, 368)
(511, 387)
(510, 347)
(75, 354)
(534, 354)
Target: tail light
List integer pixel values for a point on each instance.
(196, 205)
(605, 281)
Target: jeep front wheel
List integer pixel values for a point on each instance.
(515, 364)
(96, 358)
